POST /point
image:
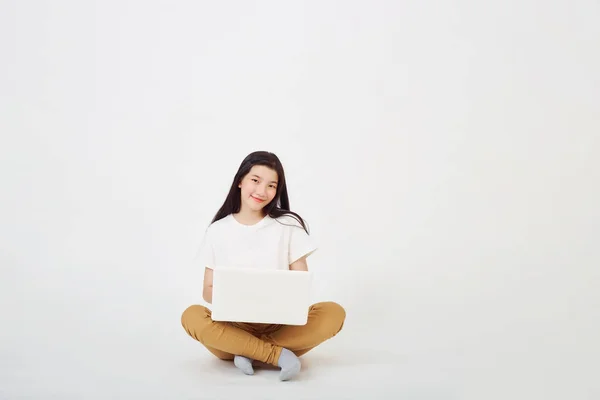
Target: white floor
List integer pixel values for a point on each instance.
(153, 358)
(110, 352)
(116, 334)
(186, 371)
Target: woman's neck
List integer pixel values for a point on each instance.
(249, 217)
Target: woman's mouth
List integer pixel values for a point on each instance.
(257, 200)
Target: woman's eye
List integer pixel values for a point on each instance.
(254, 180)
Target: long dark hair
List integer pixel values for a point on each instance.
(279, 206)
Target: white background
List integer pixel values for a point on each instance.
(445, 155)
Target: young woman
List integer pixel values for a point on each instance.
(255, 228)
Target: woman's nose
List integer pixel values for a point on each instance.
(260, 190)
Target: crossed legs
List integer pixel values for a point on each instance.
(226, 340)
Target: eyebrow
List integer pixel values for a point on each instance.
(261, 178)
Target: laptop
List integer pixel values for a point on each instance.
(254, 295)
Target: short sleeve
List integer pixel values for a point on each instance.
(206, 256)
(301, 244)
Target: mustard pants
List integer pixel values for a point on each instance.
(263, 342)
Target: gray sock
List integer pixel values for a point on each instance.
(289, 363)
(244, 363)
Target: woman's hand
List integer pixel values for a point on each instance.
(208, 285)
(299, 265)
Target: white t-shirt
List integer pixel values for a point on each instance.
(269, 244)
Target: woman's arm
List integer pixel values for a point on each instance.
(208, 285)
(299, 265)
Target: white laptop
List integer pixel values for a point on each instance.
(261, 296)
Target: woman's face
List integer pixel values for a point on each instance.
(258, 187)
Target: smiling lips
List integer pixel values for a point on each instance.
(257, 200)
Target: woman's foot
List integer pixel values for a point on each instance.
(244, 363)
(289, 363)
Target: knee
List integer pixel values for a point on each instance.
(193, 314)
(334, 316)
